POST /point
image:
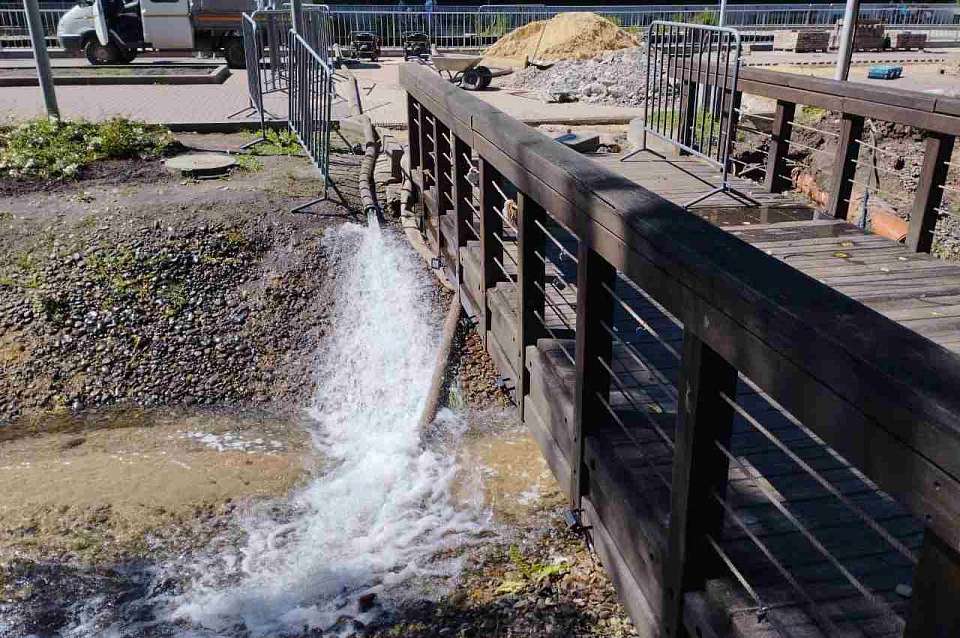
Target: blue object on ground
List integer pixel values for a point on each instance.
(885, 72)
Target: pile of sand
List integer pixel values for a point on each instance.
(566, 36)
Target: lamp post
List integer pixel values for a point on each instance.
(39, 44)
(850, 16)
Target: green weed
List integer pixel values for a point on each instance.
(528, 572)
(58, 150)
(810, 115)
(278, 142)
(248, 163)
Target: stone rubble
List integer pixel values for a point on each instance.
(617, 78)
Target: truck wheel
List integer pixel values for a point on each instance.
(97, 54)
(127, 55)
(233, 52)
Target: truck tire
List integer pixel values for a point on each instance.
(128, 55)
(233, 53)
(97, 54)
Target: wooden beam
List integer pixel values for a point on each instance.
(531, 275)
(929, 194)
(699, 471)
(779, 147)
(934, 608)
(594, 344)
(844, 165)
(443, 186)
(413, 126)
(461, 191)
(491, 251)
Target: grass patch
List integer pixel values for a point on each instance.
(278, 142)
(703, 121)
(810, 115)
(58, 150)
(527, 573)
(248, 163)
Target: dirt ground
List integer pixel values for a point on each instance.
(157, 339)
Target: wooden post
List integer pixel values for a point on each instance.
(491, 251)
(594, 305)
(443, 186)
(934, 612)
(844, 166)
(413, 126)
(531, 276)
(427, 148)
(780, 132)
(929, 195)
(461, 190)
(699, 470)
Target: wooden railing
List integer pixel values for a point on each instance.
(935, 116)
(881, 396)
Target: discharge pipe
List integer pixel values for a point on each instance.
(443, 360)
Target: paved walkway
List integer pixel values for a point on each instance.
(380, 86)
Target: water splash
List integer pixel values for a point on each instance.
(375, 519)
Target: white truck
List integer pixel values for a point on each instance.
(113, 32)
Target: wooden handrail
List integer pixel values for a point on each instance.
(879, 393)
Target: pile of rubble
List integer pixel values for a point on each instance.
(615, 77)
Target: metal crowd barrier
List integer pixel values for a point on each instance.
(14, 33)
(458, 26)
(311, 96)
(689, 97)
(252, 51)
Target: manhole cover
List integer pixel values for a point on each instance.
(201, 164)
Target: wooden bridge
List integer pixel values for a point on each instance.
(759, 424)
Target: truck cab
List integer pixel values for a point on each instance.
(112, 32)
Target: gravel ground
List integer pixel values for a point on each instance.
(136, 286)
(617, 78)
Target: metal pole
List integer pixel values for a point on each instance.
(850, 16)
(723, 13)
(296, 16)
(37, 36)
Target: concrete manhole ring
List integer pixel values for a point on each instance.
(201, 164)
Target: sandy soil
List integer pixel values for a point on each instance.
(96, 487)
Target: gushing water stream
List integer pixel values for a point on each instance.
(373, 520)
(383, 509)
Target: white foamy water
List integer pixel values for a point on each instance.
(375, 518)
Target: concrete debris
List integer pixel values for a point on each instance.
(616, 77)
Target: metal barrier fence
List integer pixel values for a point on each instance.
(457, 26)
(688, 100)
(14, 33)
(252, 50)
(311, 96)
